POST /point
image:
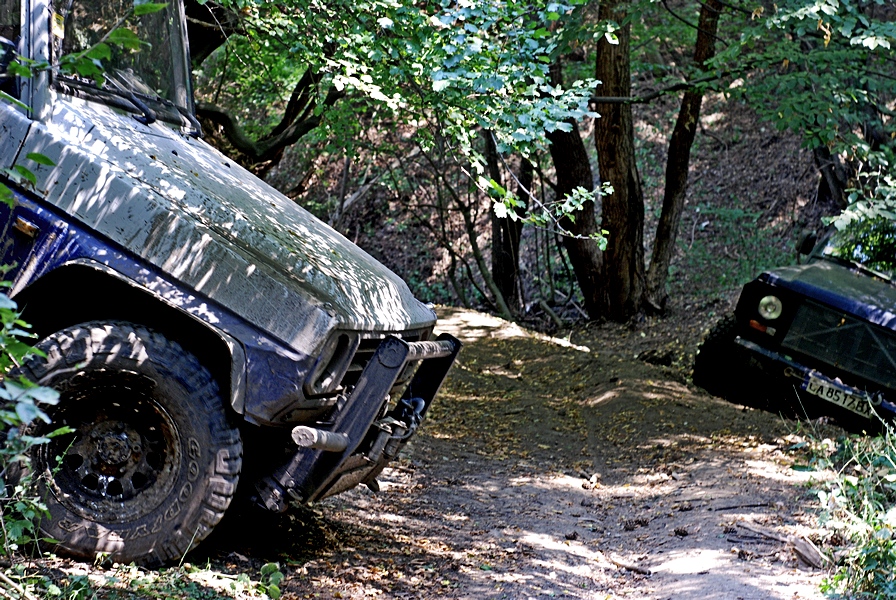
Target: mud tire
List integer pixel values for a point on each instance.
(154, 460)
(716, 358)
(724, 369)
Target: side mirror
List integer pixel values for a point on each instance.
(7, 54)
(806, 243)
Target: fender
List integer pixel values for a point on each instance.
(52, 258)
(166, 298)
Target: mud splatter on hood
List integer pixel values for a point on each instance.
(199, 217)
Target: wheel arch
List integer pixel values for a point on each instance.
(50, 304)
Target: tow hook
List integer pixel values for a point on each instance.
(410, 411)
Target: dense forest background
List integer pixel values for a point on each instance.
(553, 162)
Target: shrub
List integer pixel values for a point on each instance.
(21, 404)
(859, 507)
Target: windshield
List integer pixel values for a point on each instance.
(146, 76)
(870, 243)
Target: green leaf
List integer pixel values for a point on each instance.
(87, 67)
(125, 38)
(146, 8)
(28, 412)
(45, 395)
(803, 468)
(6, 196)
(7, 98)
(26, 174)
(19, 70)
(40, 159)
(100, 52)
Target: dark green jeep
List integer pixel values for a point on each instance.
(817, 338)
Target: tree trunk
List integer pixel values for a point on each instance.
(833, 178)
(623, 210)
(678, 162)
(506, 234)
(573, 170)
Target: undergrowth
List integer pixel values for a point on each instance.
(858, 508)
(724, 248)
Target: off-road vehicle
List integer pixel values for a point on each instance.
(817, 338)
(206, 334)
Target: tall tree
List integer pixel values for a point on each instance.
(678, 162)
(507, 232)
(573, 169)
(623, 210)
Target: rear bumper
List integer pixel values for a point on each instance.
(856, 401)
(367, 431)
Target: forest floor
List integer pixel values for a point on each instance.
(557, 467)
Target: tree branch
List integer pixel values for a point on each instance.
(677, 87)
(290, 129)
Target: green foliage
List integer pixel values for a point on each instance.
(858, 507)
(21, 404)
(441, 71)
(88, 63)
(869, 242)
(727, 247)
(270, 580)
(184, 581)
(823, 69)
(874, 192)
(21, 175)
(547, 214)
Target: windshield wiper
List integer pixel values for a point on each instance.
(149, 116)
(186, 114)
(132, 102)
(861, 268)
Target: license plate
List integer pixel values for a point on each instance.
(857, 403)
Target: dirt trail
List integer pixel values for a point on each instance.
(548, 469)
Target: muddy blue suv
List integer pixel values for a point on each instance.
(208, 337)
(817, 338)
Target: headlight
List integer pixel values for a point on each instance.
(770, 308)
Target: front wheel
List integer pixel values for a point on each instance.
(152, 461)
(717, 361)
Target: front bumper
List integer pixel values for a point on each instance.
(362, 438)
(829, 394)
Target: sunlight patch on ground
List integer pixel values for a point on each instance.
(605, 397)
(685, 562)
(769, 470)
(386, 516)
(566, 547)
(470, 326)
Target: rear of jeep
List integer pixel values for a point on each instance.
(205, 333)
(818, 338)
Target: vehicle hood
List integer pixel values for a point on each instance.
(199, 217)
(850, 290)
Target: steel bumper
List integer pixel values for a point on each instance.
(778, 364)
(361, 439)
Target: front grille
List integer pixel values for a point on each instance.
(366, 349)
(845, 342)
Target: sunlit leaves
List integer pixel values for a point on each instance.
(823, 69)
(462, 64)
(146, 8)
(126, 38)
(544, 214)
(40, 159)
